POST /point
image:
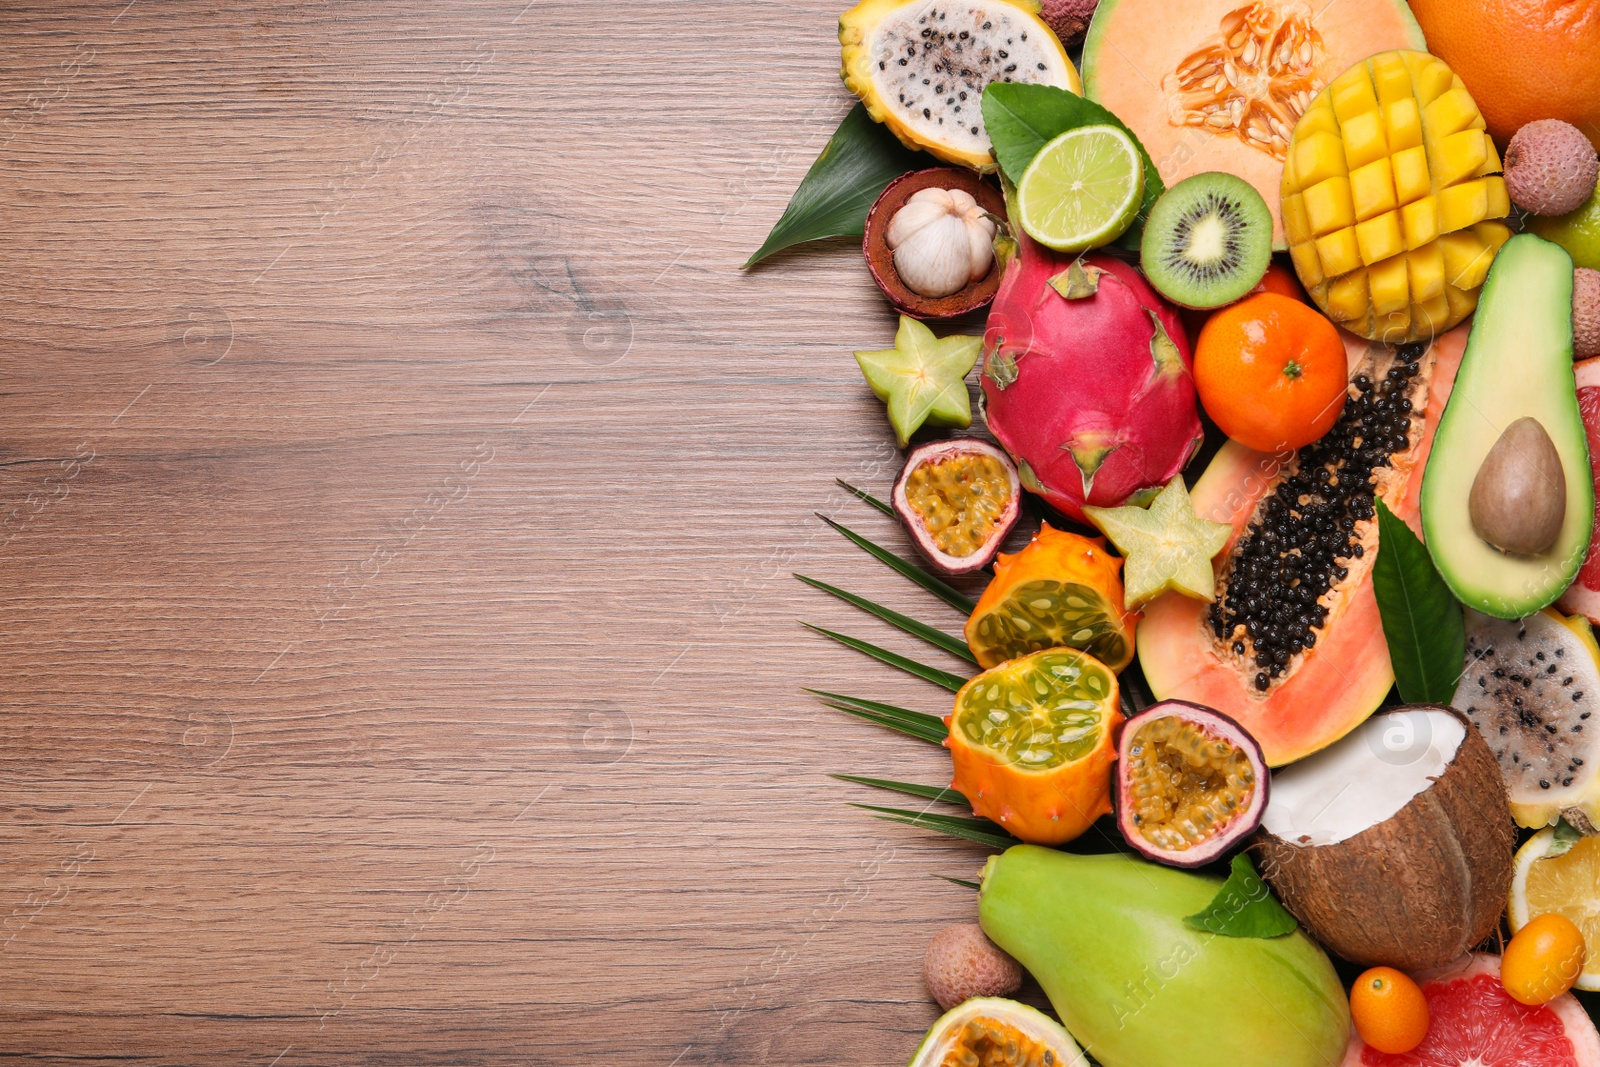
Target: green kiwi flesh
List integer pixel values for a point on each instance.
(1208, 241)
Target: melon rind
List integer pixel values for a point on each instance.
(1124, 60)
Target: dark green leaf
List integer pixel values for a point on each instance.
(1244, 907)
(952, 682)
(862, 494)
(916, 724)
(943, 590)
(1022, 119)
(1421, 618)
(926, 792)
(861, 159)
(981, 831)
(937, 638)
(959, 881)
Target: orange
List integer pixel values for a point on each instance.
(1543, 960)
(1389, 1010)
(1281, 280)
(1521, 59)
(1271, 372)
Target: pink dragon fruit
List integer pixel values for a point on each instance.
(1087, 380)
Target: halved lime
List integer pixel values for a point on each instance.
(1082, 190)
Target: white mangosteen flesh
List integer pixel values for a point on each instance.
(1363, 779)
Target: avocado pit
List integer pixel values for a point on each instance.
(1519, 497)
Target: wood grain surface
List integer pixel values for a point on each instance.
(399, 489)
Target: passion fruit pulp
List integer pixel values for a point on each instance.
(1062, 589)
(1033, 741)
(1191, 784)
(959, 500)
(993, 1032)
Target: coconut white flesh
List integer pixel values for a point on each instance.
(1363, 779)
(951, 119)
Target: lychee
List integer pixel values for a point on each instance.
(1585, 313)
(961, 963)
(1069, 18)
(1550, 167)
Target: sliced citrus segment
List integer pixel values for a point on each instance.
(1033, 742)
(1082, 190)
(1062, 589)
(1549, 881)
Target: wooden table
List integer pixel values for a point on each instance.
(399, 489)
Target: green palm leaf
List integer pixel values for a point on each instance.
(862, 494)
(937, 638)
(926, 792)
(979, 831)
(916, 724)
(952, 682)
(943, 590)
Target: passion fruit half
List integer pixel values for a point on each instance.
(1191, 783)
(994, 1032)
(959, 500)
(880, 257)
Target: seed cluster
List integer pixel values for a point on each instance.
(1520, 695)
(959, 500)
(991, 1043)
(1303, 537)
(1186, 784)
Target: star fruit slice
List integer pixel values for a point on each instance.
(1165, 545)
(922, 378)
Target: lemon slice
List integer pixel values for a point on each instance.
(1082, 190)
(1547, 880)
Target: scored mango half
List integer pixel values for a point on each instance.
(1392, 198)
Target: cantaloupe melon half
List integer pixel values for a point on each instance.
(1219, 84)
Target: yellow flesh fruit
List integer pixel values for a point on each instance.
(986, 1042)
(959, 500)
(1391, 192)
(1186, 784)
(1040, 719)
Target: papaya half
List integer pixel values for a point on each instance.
(1293, 646)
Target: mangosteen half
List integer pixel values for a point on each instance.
(939, 241)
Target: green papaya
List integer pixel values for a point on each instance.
(1105, 937)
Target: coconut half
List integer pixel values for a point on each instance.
(1393, 846)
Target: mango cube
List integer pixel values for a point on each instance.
(1403, 124)
(1466, 259)
(1372, 189)
(1462, 205)
(1458, 157)
(1296, 223)
(1499, 199)
(1380, 238)
(1432, 314)
(1347, 297)
(1426, 266)
(1364, 140)
(1352, 94)
(1329, 206)
(1451, 113)
(1307, 264)
(1462, 302)
(1491, 165)
(1420, 222)
(1391, 78)
(1318, 158)
(1431, 80)
(1391, 290)
(1339, 252)
(1411, 181)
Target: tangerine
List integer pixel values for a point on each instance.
(1271, 372)
(1281, 280)
(1389, 1011)
(1521, 59)
(1543, 960)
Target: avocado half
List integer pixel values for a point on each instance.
(1518, 364)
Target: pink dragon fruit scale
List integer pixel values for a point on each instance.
(1087, 380)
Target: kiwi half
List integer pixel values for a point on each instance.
(1208, 241)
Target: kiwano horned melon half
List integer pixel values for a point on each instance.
(1293, 648)
(921, 67)
(1390, 195)
(1217, 85)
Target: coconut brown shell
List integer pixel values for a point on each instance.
(1417, 890)
(880, 259)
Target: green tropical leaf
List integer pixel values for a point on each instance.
(937, 638)
(943, 590)
(926, 792)
(1022, 119)
(959, 881)
(1244, 907)
(1422, 619)
(916, 724)
(862, 494)
(952, 682)
(980, 831)
(860, 161)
